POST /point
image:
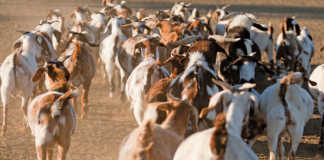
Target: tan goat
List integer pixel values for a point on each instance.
(51, 116)
(80, 65)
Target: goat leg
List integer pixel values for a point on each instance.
(321, 142)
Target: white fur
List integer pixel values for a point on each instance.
(197, 146)
(110, 57)
(12, 84)
(135, 87)
(318, 90)
(308, 50)
(300, 106)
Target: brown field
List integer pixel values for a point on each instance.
(109, 120)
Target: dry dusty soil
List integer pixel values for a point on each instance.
(109, 120)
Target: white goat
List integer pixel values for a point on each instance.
(287, 107)
(140, 80)
(109, 49)
(16, 70)
(305, 56)
(318, 92)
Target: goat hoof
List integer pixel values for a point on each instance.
(110, 94)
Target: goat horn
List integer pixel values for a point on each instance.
(184, 41)
(22, 32)
(222, 84)
(247, 86)
(222, 39)
(226, 6)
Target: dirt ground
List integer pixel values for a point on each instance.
(109, 120)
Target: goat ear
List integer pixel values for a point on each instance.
(38, 74)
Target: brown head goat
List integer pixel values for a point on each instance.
(51, 116)
(159, 142)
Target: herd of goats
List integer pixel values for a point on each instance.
(189, 79)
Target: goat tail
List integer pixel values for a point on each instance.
(270, 31)
(284, 29)
(15, 63)
(145, 137)
(219, 137)
(282, 95)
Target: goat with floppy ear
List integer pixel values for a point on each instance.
(57, 75)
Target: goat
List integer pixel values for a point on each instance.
(196, 81)
(287, 48)
(240, 60)
(304, 58)
(318, 92)
(30, 50)
(80, 15)
(80, 65)
(224, 140)
(159, 142)
(52, 120)
(56, 19)
(143, 77)
(109, 51)
(51, 116)
(287, 107)
(180, 9)
(264, 40)
(253, 126)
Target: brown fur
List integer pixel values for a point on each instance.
(82, 70)
(219, 137)
(44, 109)
(284, 83)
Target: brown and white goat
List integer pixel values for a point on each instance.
(51, 116)
(80, 65)
(253, 124)
(222, 141)
(145, 74)
(159, 142)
